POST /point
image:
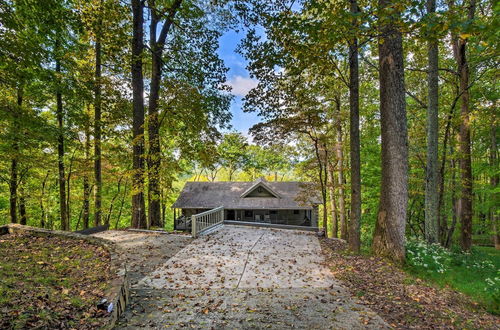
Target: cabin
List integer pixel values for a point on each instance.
(280, 204)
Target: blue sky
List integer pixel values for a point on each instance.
(239, 79)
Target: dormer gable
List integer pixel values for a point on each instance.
(260, 189)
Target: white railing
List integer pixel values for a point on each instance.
(204, 221)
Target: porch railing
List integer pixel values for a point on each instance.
(202, 222)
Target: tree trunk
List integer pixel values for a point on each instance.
(86, 185)
(23, 218)
(13, 189)
(340, 158)
(97, 132)
(112, 204)
(333, 203)
(121, 208)
(60, 150)
(455, 205)
(138, 205)
(13, 182)
(464, 141)
(431, 183)
(355, 219)
(494, 219)
(154, 156)
(388, 239)
(42, 206)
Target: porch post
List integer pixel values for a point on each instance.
(193, 226)
(175, 219)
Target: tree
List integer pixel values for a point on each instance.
(464, 141)
(138, 204)
(355, 214)
(431, 187)
(389, 235)
(233, 152)
(156, 45)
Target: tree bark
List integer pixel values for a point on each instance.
(60, 148)
(97, 131)
(431, 183)
(355, 216)
(389, 232)
(465, 161)
(138, 205)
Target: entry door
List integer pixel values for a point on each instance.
(230, 215)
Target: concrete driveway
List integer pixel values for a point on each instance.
(245, 257)
(243, 277)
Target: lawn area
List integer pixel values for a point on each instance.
(476, 274)
(51, 282)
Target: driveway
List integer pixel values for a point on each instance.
(243, 277)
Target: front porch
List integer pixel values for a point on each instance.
(280, 217)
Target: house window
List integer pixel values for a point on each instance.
(273, 212)
(296, 211)
(259, 190)
(248, 214)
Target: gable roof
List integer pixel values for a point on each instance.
(208, 195)
(261, 182)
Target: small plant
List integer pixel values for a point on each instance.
(493, 288)
(429, 257)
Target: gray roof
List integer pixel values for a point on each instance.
(292, 195)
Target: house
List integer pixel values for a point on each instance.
(257, 202)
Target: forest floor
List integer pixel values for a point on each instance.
(236, 277)
(51, 282)
(402, 300)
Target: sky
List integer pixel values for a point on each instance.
(239, 79)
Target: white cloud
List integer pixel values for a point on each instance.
(241, 85)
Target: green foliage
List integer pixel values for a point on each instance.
(475, 274)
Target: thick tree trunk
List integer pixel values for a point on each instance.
(63, 211)
(355, 216)
(389, 233)
(97, 134)
(464, 141)
(431, 186)
(138, 205)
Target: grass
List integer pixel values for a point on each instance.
(476, 274)
(50, 282)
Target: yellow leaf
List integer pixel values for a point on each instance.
(465, 35)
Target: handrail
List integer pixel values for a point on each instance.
(205, 220)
